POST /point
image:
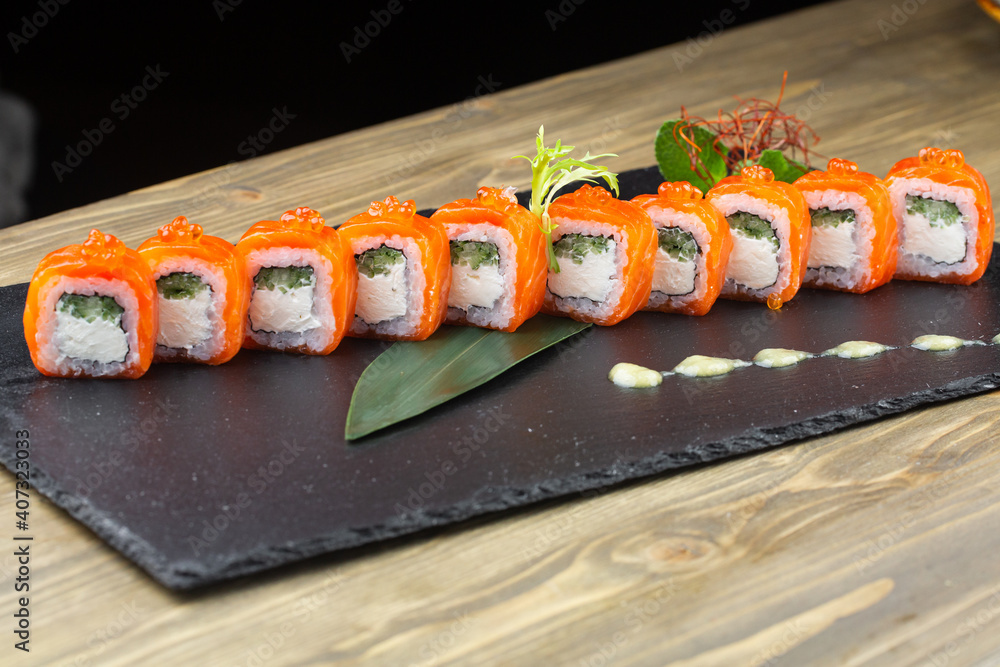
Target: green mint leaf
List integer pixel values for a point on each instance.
(784, 169)
(675, 159)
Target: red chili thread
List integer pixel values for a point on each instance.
(755, 125)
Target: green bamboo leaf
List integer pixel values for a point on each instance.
(412, 377)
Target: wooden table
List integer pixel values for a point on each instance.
(877, 545)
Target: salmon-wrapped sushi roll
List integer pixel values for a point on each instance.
(853, 247)
(304, 284)
(403, 271)
(769, 221)
(945, 216)
(605, 248)
(203, 293)
(498, 260)
(91, 311)
(693, 246)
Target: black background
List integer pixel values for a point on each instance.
(229, 66)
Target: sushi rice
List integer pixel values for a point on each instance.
(483, 296)
(677, 282)
(71, 346)
(191, 327)
(755, 268)
(593, 287)
(839, 256)
(398, 296)
(291, 318)
(935, 250)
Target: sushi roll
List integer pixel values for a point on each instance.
(403, 271)
(91, 311)
(693, 247)
(853, 247)
(769, 221)
(498, 260)
(945, 217)
(605, 248)
(304, 284)
(202, 293)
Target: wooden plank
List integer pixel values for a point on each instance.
(875, 546)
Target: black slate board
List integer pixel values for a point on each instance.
(201, 474)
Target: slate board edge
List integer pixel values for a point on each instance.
(191, 575)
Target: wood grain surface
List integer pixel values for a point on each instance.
(874, 546)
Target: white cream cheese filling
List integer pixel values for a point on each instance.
(475, 287)
(382, 297)
(185, 323)
(833, 246)
(591, 279)
(673, 276)
(945, 244)
(278, 311)
(101, 341)
(753, 262)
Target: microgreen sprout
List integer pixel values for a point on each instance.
(551, 170)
